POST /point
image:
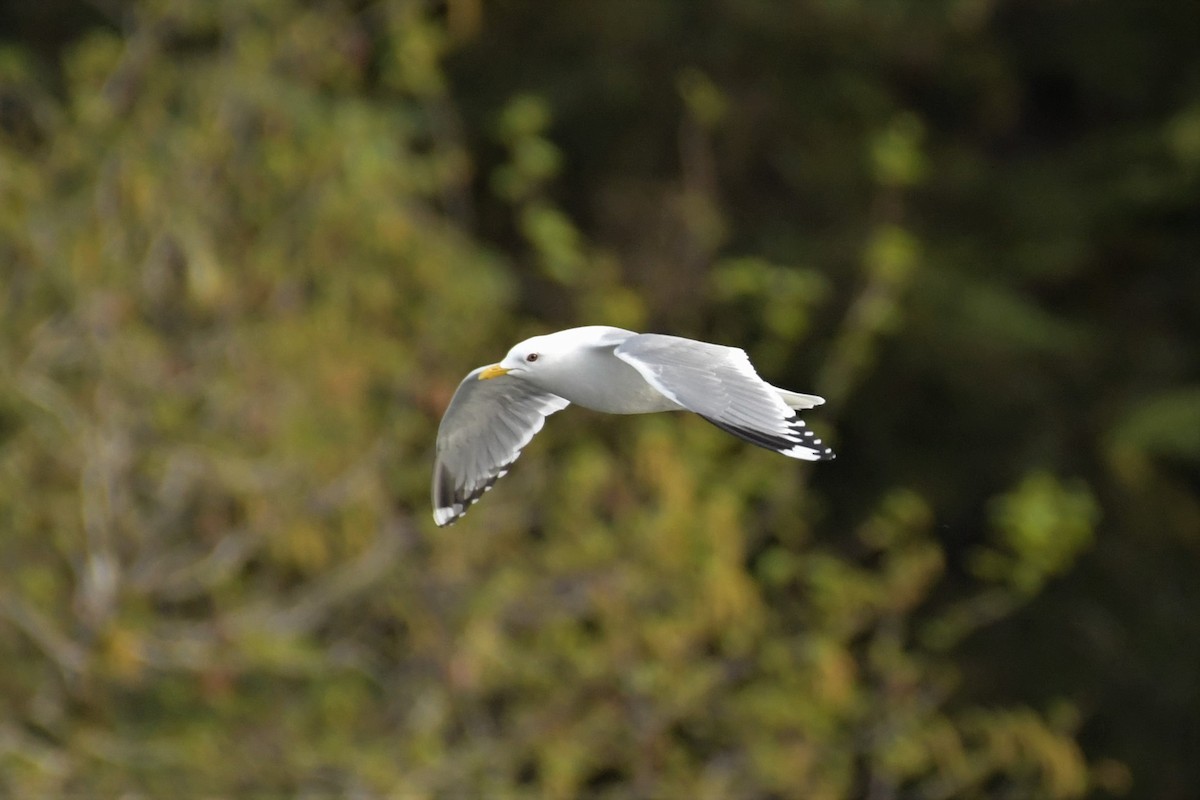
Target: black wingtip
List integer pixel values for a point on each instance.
(799, 442)
(451, 502)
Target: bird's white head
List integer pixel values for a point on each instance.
(521, 360)
(541, 355)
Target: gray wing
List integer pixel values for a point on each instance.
(720, 384)
(481, 435)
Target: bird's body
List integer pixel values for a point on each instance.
(498, 409)
(615, 386)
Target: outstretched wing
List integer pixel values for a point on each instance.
(481, 435)
(720, 384)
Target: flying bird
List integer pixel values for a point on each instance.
(498, 409)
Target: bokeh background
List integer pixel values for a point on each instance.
(248, 248)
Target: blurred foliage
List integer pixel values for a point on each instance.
(248, 249)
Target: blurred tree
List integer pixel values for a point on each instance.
(247, 249)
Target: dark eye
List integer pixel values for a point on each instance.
(531, 357)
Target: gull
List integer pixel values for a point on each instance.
(497, 409)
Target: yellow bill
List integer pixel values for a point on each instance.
(494, 371)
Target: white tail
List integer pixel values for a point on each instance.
(799, 401)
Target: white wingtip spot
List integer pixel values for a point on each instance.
(802, 452)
